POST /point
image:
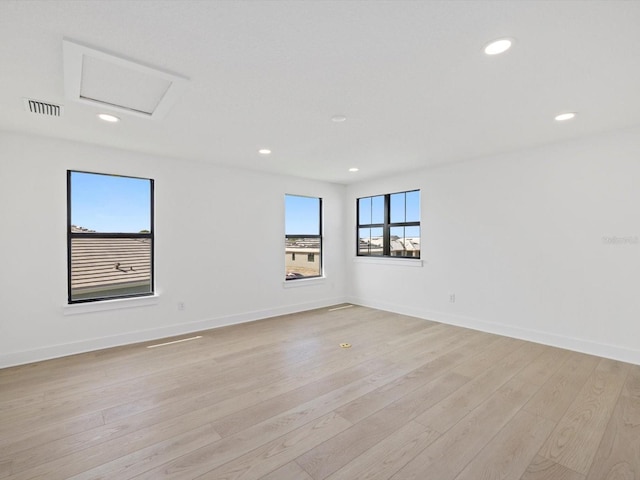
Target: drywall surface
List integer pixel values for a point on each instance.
(219, 249)
(542, 244)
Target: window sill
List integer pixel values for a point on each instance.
(303, 282)
(399, 262)
(105, 305)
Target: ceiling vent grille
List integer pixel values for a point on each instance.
(43, 108)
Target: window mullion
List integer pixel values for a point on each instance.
(386, 231)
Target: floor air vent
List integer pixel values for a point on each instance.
(43, 108)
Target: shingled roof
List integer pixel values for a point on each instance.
(102, 264)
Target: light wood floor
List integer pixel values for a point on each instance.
(280, 400)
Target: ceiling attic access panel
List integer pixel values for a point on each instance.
(101, 79)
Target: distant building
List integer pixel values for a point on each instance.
(400, 247)
(302, 257)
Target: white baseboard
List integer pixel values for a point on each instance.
(63, 350)
(614, 352)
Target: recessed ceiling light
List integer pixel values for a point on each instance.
(354, 169)
(338, 118)
(498, 46)
(108, 118)
(565, 116)
(264, 151)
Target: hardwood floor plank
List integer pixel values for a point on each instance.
(543, 367)
(219, 409)
(486, 359)
(16, 441)
(279, 452)
(428, 371)
(575, 440)
(219, 342)
(13, 403)
(225, 450)
(618, 455)
(223, 402)
(5, 468)
(374, 401)
(385, 458)
(557, 393)
(120, 364)
(430, 344)
(410, 399)
(127, 466)
(509, 453)
(108, 438)
(290, 471)
(242, 418)
(449, 454)
(451, 409)
(134, 454)
(632, 385)
(247, 417)
(541, 468)
(336, 452)
(245, 380)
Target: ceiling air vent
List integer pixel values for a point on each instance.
(43, 108)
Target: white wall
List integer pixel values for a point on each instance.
(206, 217)
(519, 239)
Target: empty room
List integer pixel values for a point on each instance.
(319, 240)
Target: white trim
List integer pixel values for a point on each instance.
(104, 305)
(396, 262)
(614, 352)
(304, 282)
(62, 350)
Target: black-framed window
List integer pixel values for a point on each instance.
(303, 235)
(389, 225)
(109, 236)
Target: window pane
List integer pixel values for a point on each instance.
(370, 241)
(412, 241)
(302, 215)
(302, 257)
(108, 267)
(398, 208)
(376, 242)
(364, 211)
(397, 242)
(413, 206)
(412, 232)
(377, 209)
(364, 241)
(405, 241)
(110, 204)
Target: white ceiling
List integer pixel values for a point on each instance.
(410, 76)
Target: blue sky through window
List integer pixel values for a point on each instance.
(405, 207)
(302, 215)
(110, 204)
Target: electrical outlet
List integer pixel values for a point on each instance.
(452, 298)
(181, 306)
